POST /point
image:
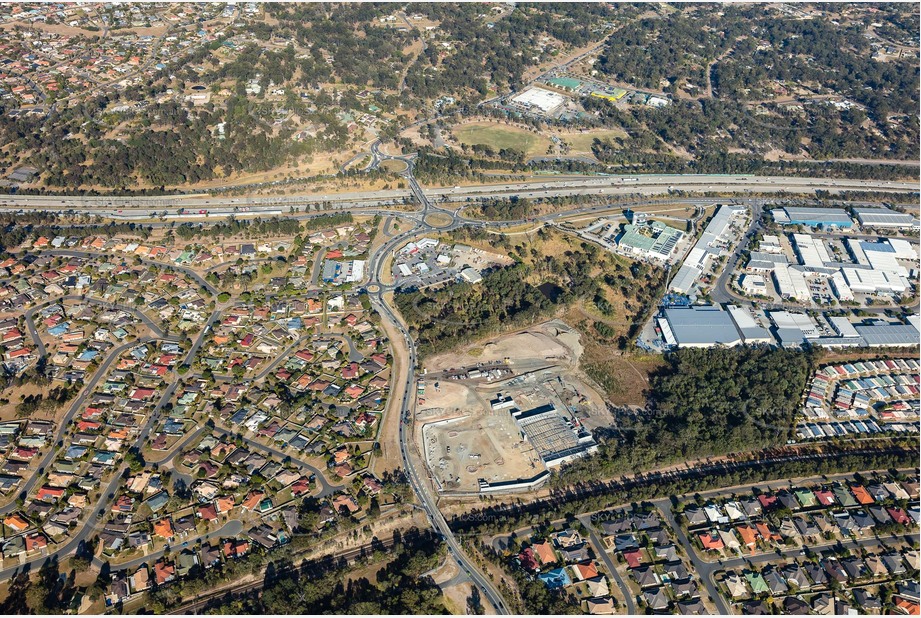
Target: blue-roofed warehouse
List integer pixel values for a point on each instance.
(813, 217)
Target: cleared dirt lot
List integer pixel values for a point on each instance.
(464, 440)
(550, 341)
(484, 445)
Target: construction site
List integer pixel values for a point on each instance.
(511, 412)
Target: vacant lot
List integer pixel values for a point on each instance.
(498, 136)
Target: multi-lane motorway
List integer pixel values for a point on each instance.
(201, 207)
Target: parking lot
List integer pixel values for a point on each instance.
(428, 262)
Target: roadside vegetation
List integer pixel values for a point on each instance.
(704, 403)
(333, 587)
(553, 272)
(590, 493)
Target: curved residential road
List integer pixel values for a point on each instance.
(612, 568)
(282, 356)
(77, 403)
(269, 260)
(165, 265)
(92, 526)
(232, 527)
(33, 332)
(327, 487)
(178, 448)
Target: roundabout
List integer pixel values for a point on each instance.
(438, 220)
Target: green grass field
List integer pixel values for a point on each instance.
(582, 142)
(498, 136)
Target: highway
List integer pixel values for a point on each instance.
(121, 207)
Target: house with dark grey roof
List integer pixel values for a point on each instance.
(655, 599)
(695, 516)
(816, 573)
(645, 576)
(685, 588)
(795, 606)
(692, 607)
(774, 581)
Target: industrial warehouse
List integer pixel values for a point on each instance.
(885, 218)
(848, 266)
(705, 326)
(713, 243)
(813, 217)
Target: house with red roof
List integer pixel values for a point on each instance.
(35, 541)
(899, 516)
(207, 512)
(235, 548)
(16, 523)
(767, 533)
(544, 552)
(225, 504)
(50, 494)
(585, 570)
(300, 486)
(345, 501)
(305, 355)
(164, 528)
(863, 496)
(164, 571)
(354, 391)
(252, 500)
(749, 535)
(906, 606)
(710, 542)
(350, 371)
(633, 558)
(527, 560)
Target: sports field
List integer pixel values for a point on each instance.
(498, 136)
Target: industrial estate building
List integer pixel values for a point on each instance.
(713, 242)
(884, 217)
(887, 266)
(839, 218)
(813, 217)
(652, 240)
(704, 326)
